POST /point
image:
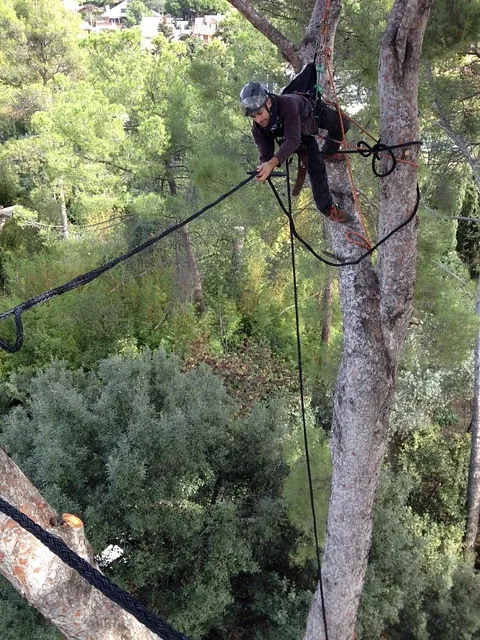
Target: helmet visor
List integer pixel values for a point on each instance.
(252, 104)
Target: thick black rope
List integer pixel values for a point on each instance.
(95, 273)
(302, 405)
(342, 263)
(94, 577)
(366, 150)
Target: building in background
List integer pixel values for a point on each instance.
(112, 18)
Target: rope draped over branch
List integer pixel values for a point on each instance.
(92, 575)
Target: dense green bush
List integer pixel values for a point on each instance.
(418, 587)
(155, 462)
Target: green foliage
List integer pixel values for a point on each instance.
(297, 489)
(190, 8)
(468, 231)
(441, 305)
(453, 25)
(17, 620)
(417, 585)
(438, 465)
(155, 462)
(136, 10)
(39, 41)
(456, 613)
(203, 489)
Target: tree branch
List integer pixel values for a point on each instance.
(49, 585)
(286, 48)
(456, 138)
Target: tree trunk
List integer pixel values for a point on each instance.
(77, 610)
(5, 213)
(193, 272)
(473, 489)
(327, 297)
(376, 306)
(63, 211)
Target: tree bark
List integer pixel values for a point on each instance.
(376, 307)
(63, 211)
(61, 595)
(327, 297)
(473, 488)
(192, 264)
(193, 272)
(5, 213)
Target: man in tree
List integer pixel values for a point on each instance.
(294, 120)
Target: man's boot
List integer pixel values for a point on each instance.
(337, 215)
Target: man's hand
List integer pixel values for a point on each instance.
(265, 169)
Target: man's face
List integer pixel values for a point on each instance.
(262, 116)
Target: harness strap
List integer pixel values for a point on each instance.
(302, 153)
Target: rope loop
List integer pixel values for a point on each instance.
(358, 239)
(12, 348)
(366, 150)
(85, 278)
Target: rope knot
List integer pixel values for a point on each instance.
(366, 150)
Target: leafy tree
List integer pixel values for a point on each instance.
(136, 10)
(468, 230)
(39, 42)
(192, 496)
(416, 573)
(19, 621)
(190, 8)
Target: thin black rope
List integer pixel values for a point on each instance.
(366, 150)
(302, 402)
(85, 278)
(93, 576)
(343, 263)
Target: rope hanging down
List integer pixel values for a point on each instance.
(94, 577)
(302, 404)
(342, 263)
(94, 273)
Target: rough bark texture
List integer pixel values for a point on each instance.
(376, 307)
(193, 272)
(63, 211)
(473, 490)
(77, 610)
(327, 296)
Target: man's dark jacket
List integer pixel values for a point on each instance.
(292, 119)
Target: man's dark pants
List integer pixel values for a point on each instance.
(327, 118)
